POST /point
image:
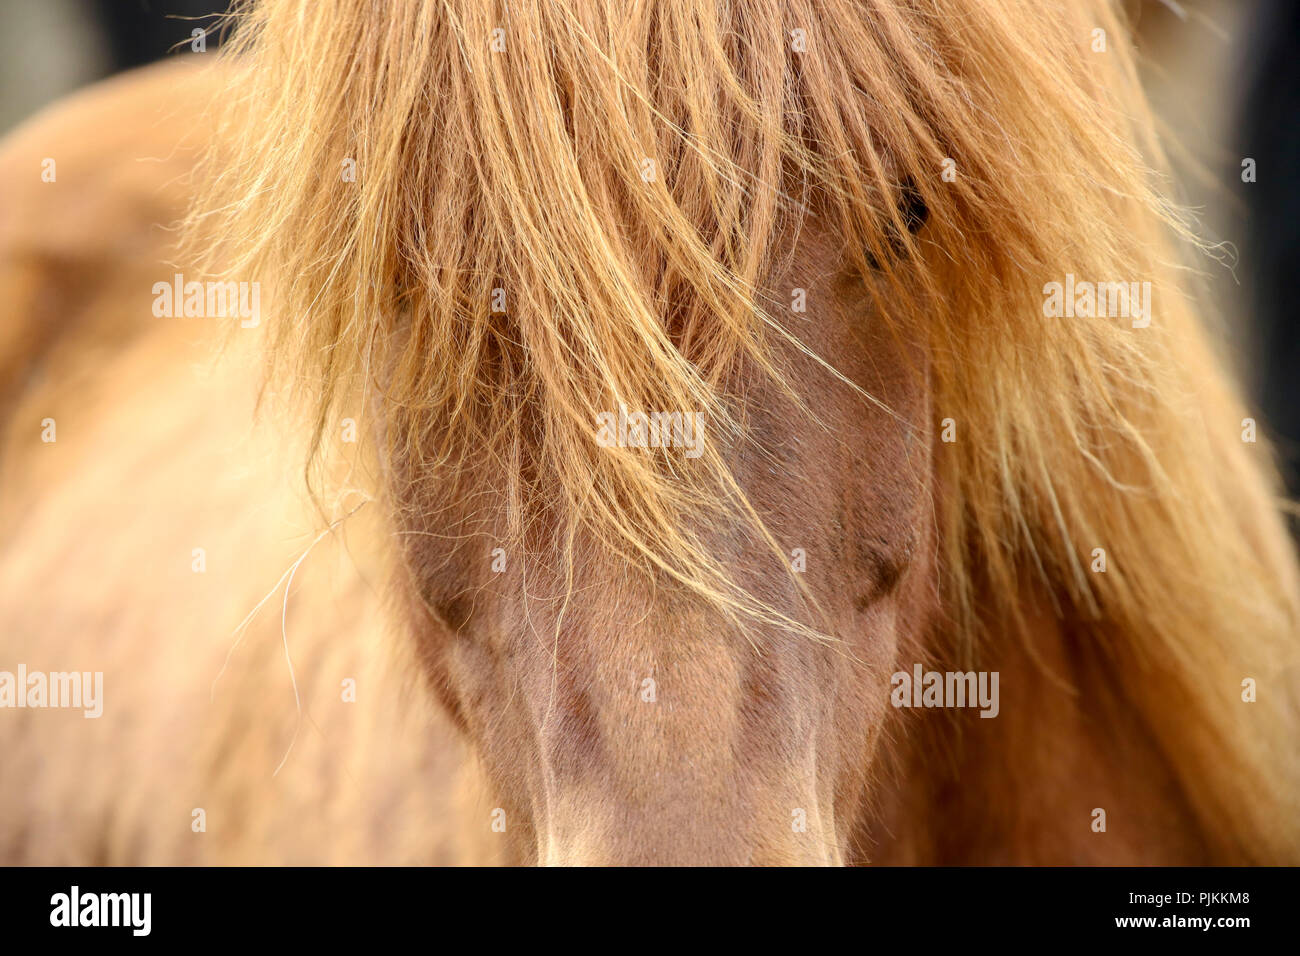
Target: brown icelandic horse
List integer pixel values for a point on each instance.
(900, 278)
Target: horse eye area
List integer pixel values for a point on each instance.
(914, 211)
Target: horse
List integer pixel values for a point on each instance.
(666, 431)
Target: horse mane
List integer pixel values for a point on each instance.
(516, 160)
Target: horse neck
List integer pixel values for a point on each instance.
(1024, 787)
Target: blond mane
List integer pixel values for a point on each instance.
(517, 160)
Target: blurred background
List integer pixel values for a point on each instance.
(1223, 76)
(49, 48)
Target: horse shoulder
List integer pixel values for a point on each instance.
(145, 538)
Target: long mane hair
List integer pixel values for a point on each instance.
(628, 173)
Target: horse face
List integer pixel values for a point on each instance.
(621, 720)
